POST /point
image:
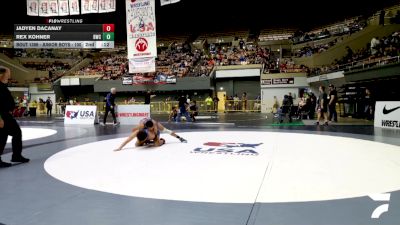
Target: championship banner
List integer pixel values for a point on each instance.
(106, 6)
(73, 7)
(32, 7)
(80, 114)
(44, 8)
(387, 115)
(142, 65)
(86, 6)
(141, 29)
(132, 114)
(127, 80)
(53, 4)
(276, 81)
(167, 2)
(160, 79)
(94, 6)
(63, 8)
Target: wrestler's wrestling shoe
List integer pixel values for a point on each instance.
(183, 140)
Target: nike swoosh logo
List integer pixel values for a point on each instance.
(387, 111)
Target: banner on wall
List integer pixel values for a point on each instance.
(89, 6)
(32, 7)
(127, 80)
(159, 79)
(63, 8)
(387, 115)
(149, 80)
(167, 2)
(141, 29)
(43, 8)
(53, 7)
(68, 7)
(132, 114)
(106, 6)
(142, 65)
(277, 81)
(80, 114)
(73, 7)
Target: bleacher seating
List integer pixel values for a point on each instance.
(275, 34)
(380, 52)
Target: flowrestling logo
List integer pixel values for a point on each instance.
(223, 148)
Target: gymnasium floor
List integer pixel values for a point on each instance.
(235, 169)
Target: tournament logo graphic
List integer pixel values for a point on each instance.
(72, 114)
(82, 115)
(245, 149)
(141, 18)
(141, 44)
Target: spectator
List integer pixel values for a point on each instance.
(148, 96)
(382, 17)
(62, 105)
(41, 106)
(183, 105)
(209, 102)
(290, 99)
(215, 101)
(375, 45)
(369, 103)
(244, 101)
(173, 114)
(322, 104)
(49, 106)
(32, 108)
(194, 110)
(236, 102)
(332, 98)
(285, 109)
(349, 54)
(313, 105)
(275, 105)
(257, 103)
(132, 100)
(241, 43)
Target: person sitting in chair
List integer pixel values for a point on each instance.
(285, 109)
(173, 114)
(194, 110)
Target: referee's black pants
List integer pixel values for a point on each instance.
(109, 109)
(11, 128)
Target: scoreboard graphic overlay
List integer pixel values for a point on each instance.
(64, 36)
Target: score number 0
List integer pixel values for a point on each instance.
(108, 27)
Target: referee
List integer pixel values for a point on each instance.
(110, 107)
(8, 125)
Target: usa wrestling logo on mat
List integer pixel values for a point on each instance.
(228, 149)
